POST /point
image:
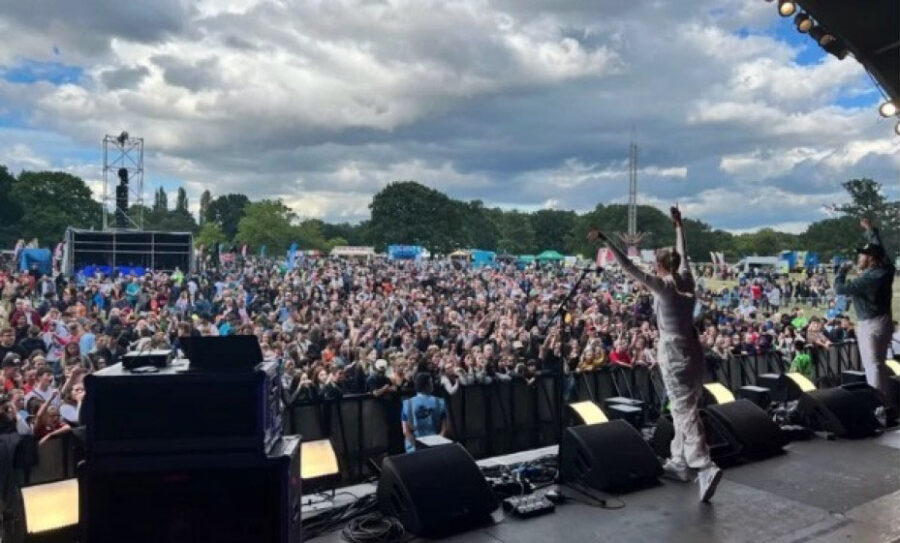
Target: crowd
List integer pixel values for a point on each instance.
(350, 327)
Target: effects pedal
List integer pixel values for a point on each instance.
(531, 506)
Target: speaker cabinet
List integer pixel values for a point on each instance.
(199, 498)
(612, 456)
(753, 433)
(838, 411)
(435, 491)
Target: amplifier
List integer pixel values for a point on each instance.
(212, 497)
(173, 409)
(157, 358)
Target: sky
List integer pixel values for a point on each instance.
(741, 120)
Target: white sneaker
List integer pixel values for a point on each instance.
(709, 479)
(677, 472)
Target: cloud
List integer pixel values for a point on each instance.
(519, 104)
(126, 77)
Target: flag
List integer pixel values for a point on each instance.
(244, 251)
(292, 256)
(262, 251)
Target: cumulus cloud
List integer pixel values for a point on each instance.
(520, 104)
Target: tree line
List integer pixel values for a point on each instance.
(42, 204)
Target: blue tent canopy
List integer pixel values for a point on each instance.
(36, 258)
(405, 252)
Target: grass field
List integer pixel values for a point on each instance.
(717, 285)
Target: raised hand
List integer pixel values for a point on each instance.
(596, 234)
(866, 223)
(675, 213)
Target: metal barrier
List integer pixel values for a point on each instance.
(488, 419)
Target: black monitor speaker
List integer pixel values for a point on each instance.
(751, 430)
(838, 411)
(611, 456)
(435, 491)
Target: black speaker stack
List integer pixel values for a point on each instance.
(176, 455)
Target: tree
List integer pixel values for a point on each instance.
(210, 235)
(10, 210)
(551, 228)
(868, 200)
(205, 199)
(267, 222)
(832, 236)
(52, 201)
(410, 213)
(308, 235)
(160, 202)
(227, 210)
(516, 233)
(181, 201)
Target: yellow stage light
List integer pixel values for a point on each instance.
(801, 381)
(51, 506)
(786, 8)
(894, 366)
(719, 392)
(588, 412)
(317, 459)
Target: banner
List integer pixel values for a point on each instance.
(604, 257)
(262, 251)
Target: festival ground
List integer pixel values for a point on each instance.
(819, 490)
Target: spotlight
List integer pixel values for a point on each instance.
(786, 8)
(587, 412)
(816, 32)
(318, 465)
(803, 22)
(51, 511)
(836, 47)
(716, 393)
(897, 128)
(888, 109)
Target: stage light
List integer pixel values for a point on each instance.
(588, 412)
(893, 365)
(51, 511)
(786, 8)
(837, 48)
(803, 22)
(816, 32)
(804, 384)
(719, 393)
(897, 128)
(318, 464)
(888, 109)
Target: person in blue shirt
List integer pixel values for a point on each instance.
(424, 414)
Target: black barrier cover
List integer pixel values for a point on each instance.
(488, 419)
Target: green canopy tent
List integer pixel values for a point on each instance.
(549, 256)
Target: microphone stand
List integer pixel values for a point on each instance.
(563, 347)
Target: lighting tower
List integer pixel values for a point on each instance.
(632, 188)
(123, 181)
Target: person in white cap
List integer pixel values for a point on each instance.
(379, 383)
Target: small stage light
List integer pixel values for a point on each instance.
(786, 8)
(893, 365)
(588, 413)
(816, 32)
(51, 511)
(318, 464)
(718, 393)
(897, 128)
(888, 109)
(803, 22)
(837, 48)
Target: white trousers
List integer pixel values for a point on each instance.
(681, 364)
(874, 337)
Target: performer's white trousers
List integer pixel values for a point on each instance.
(682, 366)
(874, 337)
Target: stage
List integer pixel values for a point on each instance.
(818, 491)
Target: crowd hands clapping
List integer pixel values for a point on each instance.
(341, 327)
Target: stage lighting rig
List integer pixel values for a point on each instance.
(786, 8)
(803, 22)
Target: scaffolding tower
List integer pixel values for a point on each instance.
(632, 190)
(123, 161)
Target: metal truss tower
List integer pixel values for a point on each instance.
(632, 189)
(123, 161)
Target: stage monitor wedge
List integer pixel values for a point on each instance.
(436, 491)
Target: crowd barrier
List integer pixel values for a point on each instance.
(488, 419)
